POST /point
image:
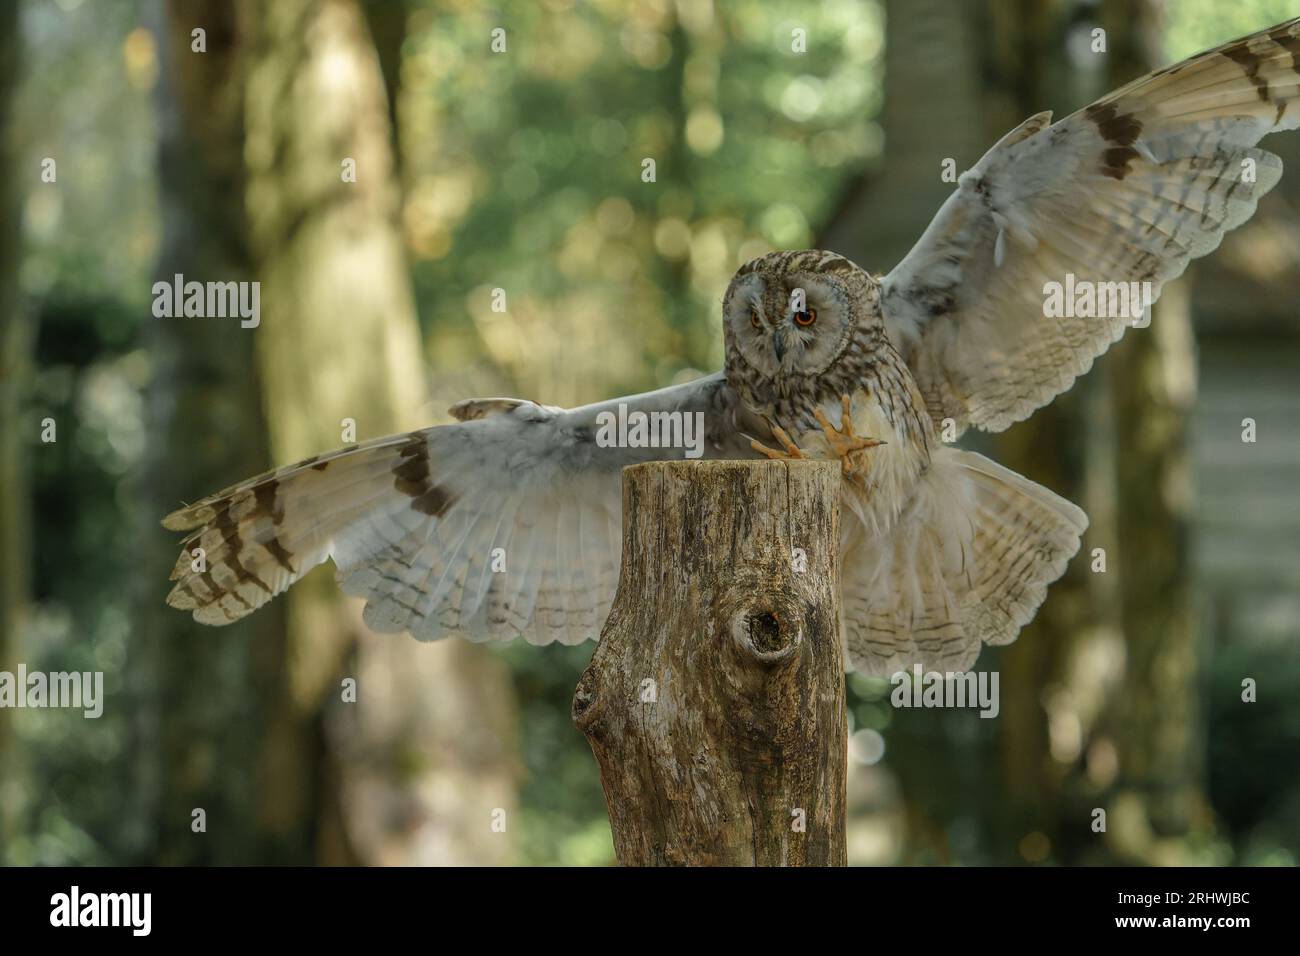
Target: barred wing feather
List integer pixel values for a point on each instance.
(1129, 189)
(506, 524)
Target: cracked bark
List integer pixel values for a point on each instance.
(714, 702)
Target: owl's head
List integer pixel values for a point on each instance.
(795, 313)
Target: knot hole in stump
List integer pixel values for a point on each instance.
(765, 632)
(767, 628)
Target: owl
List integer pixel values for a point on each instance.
(507, 523)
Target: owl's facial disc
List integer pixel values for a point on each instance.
(792, 324)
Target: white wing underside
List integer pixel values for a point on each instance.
(505, 525)
(1129, 189)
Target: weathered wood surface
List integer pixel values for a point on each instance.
(714, 702)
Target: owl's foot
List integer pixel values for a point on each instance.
(791, 451)
(846, 445)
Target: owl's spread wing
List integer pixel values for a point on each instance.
(506, 524)
(967, 563)
(1127, 190)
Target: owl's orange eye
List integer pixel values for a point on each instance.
(805, 319)
(753, 319)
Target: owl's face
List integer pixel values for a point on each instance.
(795, 313)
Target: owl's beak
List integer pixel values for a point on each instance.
(778, 344)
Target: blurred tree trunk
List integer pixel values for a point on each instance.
(387, 23)
(1158, 800)
(416, 768)
(931, 111)
(1056, 677)
(1098, 692)
(206, 431)
(674, 167)
(16, 427)
(980, 70)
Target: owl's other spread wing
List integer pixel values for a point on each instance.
(1129, 189)
(414, 522)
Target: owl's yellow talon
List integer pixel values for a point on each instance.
(843, 441)
(791, 451)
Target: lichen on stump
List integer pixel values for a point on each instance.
(714, 702)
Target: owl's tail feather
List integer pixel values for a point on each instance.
(967, 564)
(253, 540)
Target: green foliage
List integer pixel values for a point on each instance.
(523, 172)
(1197, 25)
(83, 102)
(561, 808)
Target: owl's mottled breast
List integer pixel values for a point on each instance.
(846, 351)
(868, 369)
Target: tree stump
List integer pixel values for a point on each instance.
(714, 702)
